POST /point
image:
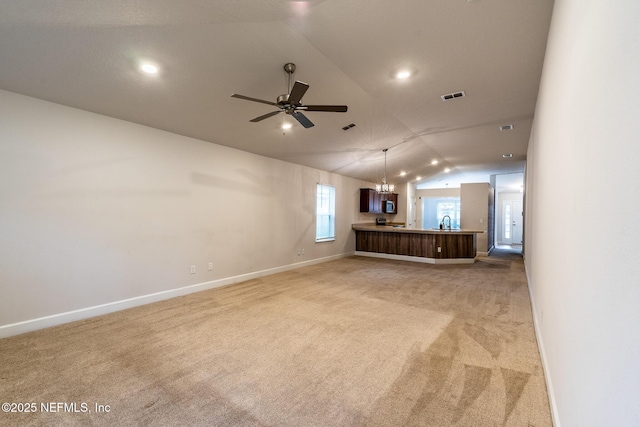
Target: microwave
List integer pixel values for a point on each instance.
(388, 206)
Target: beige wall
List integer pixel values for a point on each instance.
(474, 210)
(412, 202)
(582, 202)
(98, 214)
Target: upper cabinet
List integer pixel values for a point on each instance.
(373, 202)
(370, 201)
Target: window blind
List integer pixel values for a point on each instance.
(325, 213)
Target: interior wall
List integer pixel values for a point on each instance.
(412, 205)
(96, 210)
(475, 202)
(582, 197)
(491, 218)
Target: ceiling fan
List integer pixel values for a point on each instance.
(290, 103)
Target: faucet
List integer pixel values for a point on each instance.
(449, 226)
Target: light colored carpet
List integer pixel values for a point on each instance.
(353, 342)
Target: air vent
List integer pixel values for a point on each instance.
(450, 96)
(507, 156)
(349, 126)
(506, 127)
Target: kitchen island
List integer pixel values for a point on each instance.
(431, 246)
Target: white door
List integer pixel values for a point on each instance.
(516, 224)
(511, 222)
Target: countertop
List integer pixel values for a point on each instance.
(368, 226)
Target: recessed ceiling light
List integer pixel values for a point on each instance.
(286, 126)
(418, 178)
(507, 156)
(447, 170)
(434, 162)
(149, 69)
(403, 74)
(403, 173)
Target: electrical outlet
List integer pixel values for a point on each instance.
(193, 269)
(298, 252)
(210, 266)
(439, 249)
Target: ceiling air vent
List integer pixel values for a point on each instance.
(450, 96)
(506, 127)
(349, 126)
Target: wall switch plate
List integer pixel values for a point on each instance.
(439, 249)
(193, 269)
(210, 266)
(302, 251)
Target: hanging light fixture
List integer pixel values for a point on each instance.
(385, 188)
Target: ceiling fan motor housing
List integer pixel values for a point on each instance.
(283, 100)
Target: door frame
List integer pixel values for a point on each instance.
(509, 198)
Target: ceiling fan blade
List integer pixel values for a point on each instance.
(329, 108)
(304, 121)
(265, 116)
(248, 98)
(297, 92)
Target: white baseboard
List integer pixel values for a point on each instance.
(85, 313)
(555, 418)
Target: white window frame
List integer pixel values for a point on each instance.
(325, 213)
(431, 217)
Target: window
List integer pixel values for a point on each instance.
(435, 208)
(325, 213)
(507, 221)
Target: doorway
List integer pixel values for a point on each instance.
(509, 219)
(511, 223)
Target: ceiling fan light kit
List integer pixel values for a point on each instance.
(291, 103)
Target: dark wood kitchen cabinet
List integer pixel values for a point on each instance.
(371, 201)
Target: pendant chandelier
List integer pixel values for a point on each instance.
(385, 188)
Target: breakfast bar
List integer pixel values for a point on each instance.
(433, 246)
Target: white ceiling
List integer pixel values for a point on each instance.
(86, 55)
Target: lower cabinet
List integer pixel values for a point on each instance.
(452, 245)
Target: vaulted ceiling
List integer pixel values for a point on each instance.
(87, 54)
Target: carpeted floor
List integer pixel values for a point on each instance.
(353, 342)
